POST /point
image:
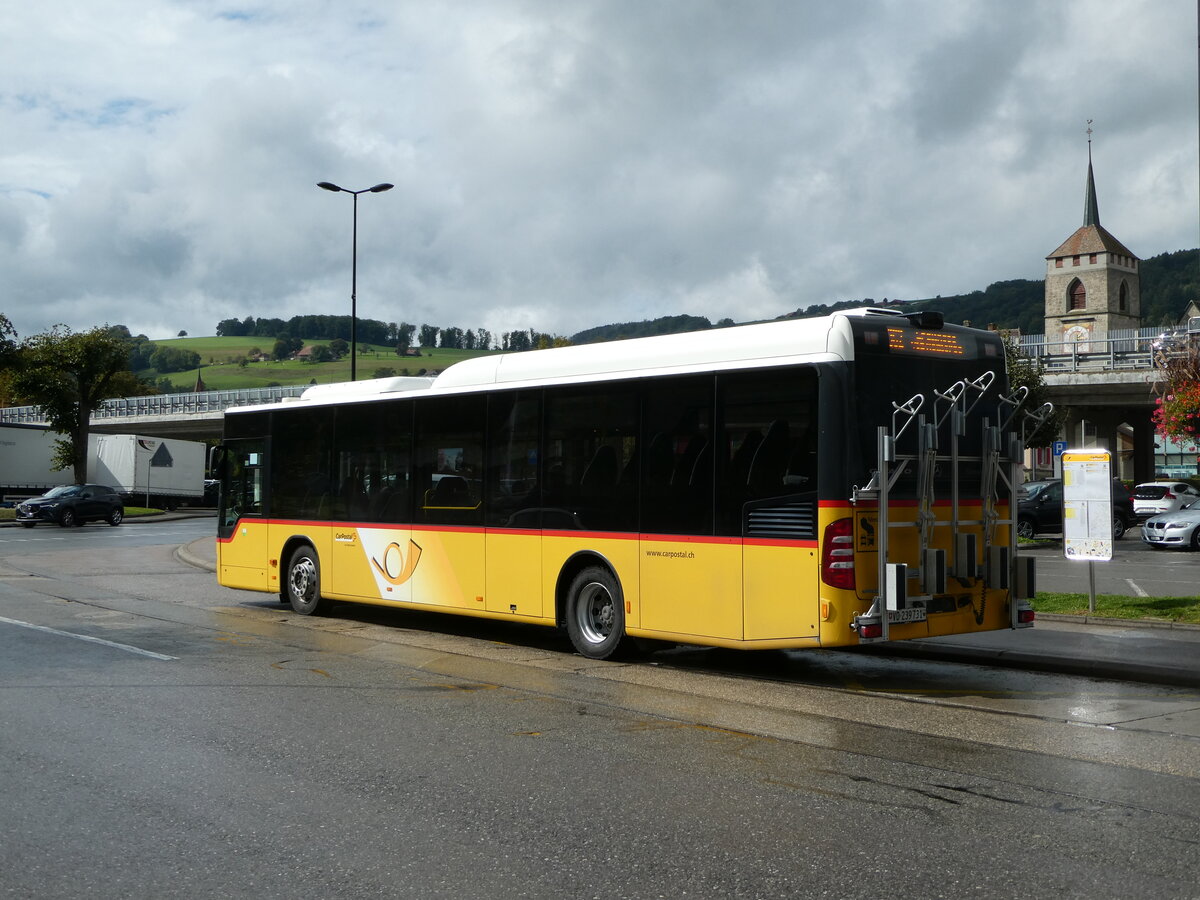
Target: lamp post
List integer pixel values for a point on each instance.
(377, 189)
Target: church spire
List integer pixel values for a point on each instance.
(1091, 209)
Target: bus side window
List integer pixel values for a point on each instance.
(449, 449)
(767, 441)
(513, 490)
(589, 442)
(300, 468)
(677, 467)
(372, 455)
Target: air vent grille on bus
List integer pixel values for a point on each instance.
(796, 519)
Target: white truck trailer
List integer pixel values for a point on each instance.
(25, 454)
(157, 472)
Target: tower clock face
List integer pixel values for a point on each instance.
(1076, 334)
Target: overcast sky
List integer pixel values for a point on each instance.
(561, 164)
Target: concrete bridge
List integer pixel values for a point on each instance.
(194, 416)
(1107, 386)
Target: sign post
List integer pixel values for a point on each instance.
(1060, 447)
(1087, 511)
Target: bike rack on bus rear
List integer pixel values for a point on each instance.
(1000, 460)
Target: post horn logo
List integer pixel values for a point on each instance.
(397, 567)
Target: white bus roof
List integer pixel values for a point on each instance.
(823, 339)
(784, 342)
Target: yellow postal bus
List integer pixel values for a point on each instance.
(805, 483)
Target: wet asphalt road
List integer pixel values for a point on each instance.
(380, 752)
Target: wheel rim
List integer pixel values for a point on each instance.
(303, 579)
(595, 613)
(1025, 529)
(68, 518)
(116, 517)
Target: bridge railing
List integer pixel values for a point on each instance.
(165, 404)
(1123, 350)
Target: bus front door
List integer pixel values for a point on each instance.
(241, 523)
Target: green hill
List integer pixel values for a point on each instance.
(1169, 282)
(225, 364)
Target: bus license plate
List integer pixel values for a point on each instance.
(912, 614)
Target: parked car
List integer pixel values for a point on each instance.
(1040, 503)
(73, 504)
(1180, 528)
(1171, 340)
(1155, 497)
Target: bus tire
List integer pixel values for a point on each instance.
(595, 613)
(303, 584)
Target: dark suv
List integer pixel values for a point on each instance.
(73, 504)
(1040, 504)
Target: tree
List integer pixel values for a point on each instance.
(174, 359)
(68, 375)
(182, 334)
(8, 344)
(8, 360)
(404, 336)
(384, 372)
(339, 347)
(429, 335)
(1024, 371)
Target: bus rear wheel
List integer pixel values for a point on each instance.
(596, 613)
(303, 584)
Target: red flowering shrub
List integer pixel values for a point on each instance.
(1177, 408)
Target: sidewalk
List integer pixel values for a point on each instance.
(1098, 648)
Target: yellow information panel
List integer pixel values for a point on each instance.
(1087, 505)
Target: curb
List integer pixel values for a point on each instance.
(1116, 623)
(184, 554)
(1026, 661)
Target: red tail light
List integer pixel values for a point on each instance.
(1025, 616)
(869, 632)
(1167, 495)
(837, 554)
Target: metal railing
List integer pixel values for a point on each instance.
(165, 404)
(1128, 349)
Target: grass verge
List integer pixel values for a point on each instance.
(1185, 610)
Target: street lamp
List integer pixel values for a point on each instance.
(377, 189)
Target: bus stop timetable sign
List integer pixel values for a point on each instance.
(1087, 505)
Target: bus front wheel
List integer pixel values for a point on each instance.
(304, 583)
(596, 613)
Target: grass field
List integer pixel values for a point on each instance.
(1185, 610)
(220, 372)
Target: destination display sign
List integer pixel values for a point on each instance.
(892, 339)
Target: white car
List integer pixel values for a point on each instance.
(1174, 529)
(1156, 497)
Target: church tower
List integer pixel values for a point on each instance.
(1093, 286)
